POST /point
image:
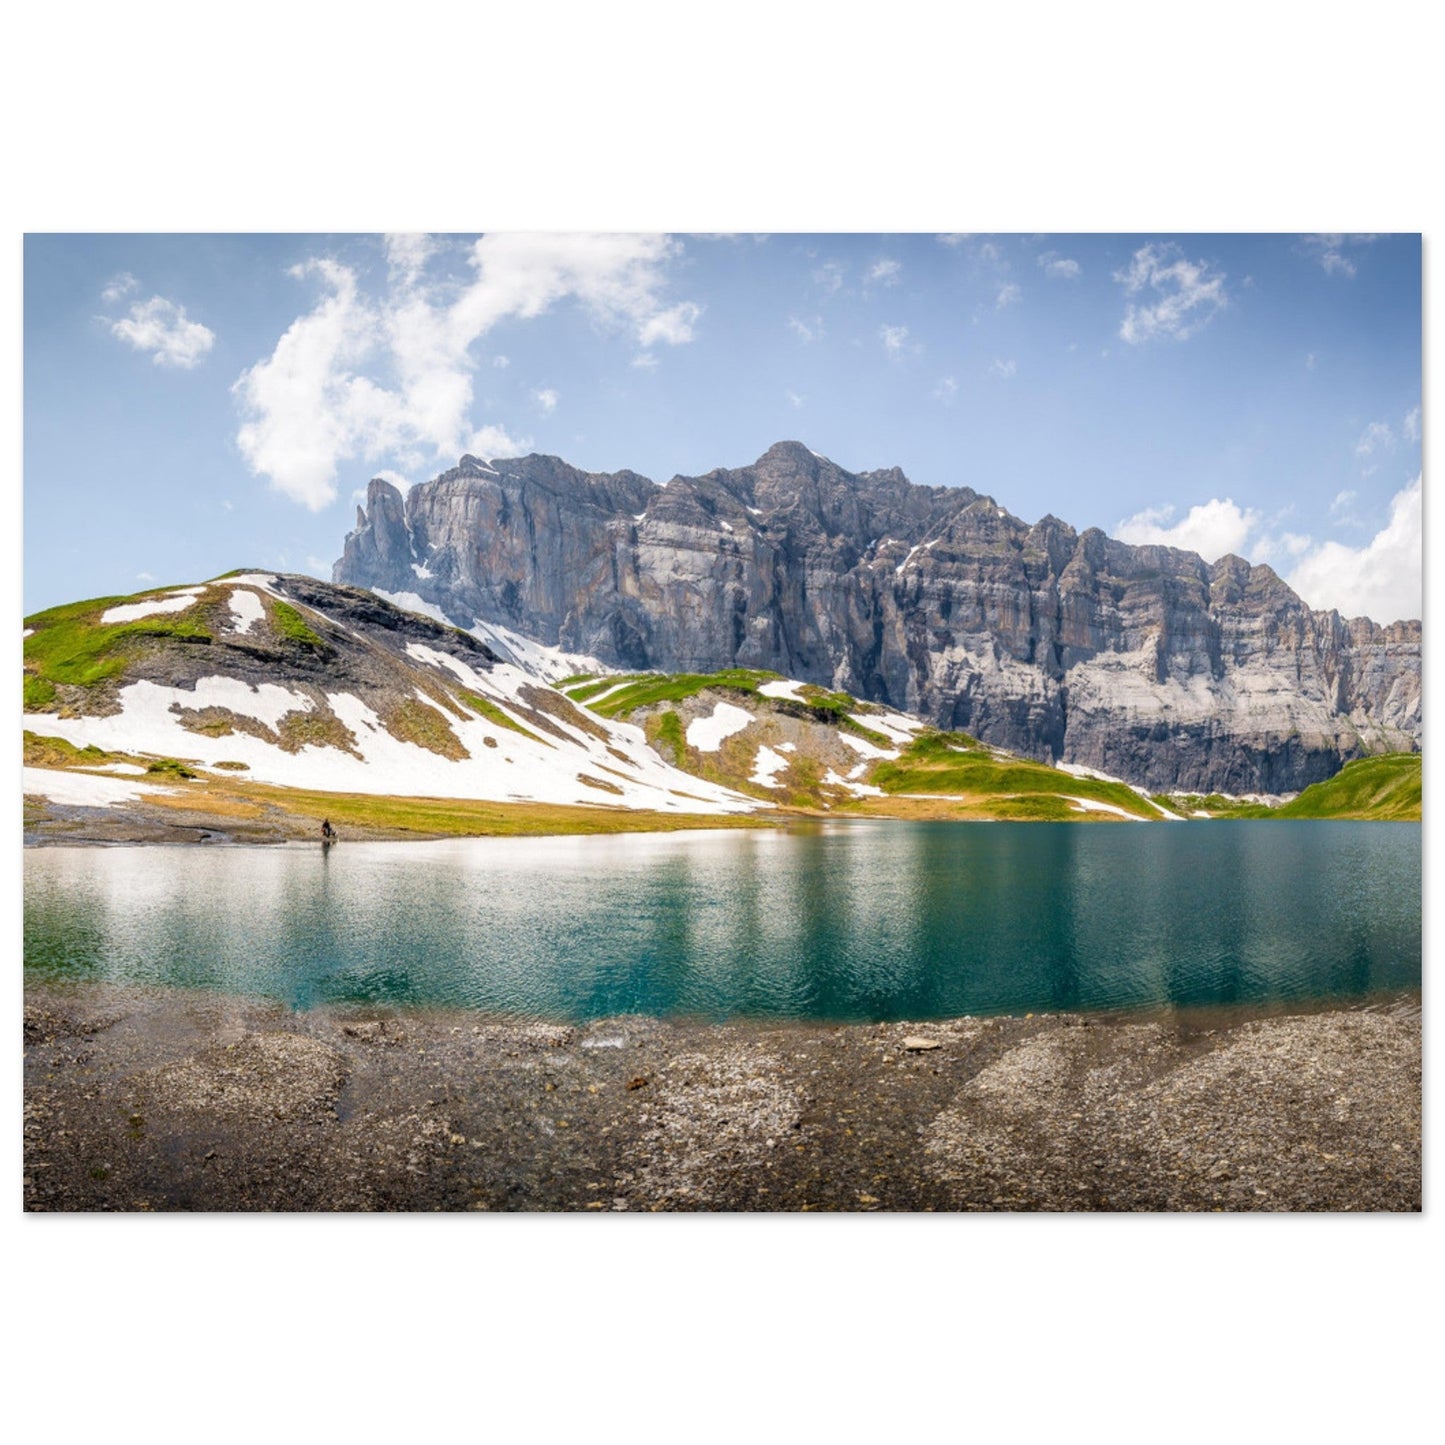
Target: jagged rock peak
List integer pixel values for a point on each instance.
(1144, 662)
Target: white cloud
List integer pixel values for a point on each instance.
(491, 442)
(390, 377)
(893, 338)
(1329, 250)
(806, 331)
(397, 479)
(1382, 579)
(954, 238)
(1007, 294)
(644, 361)
(144, 577)
(1178, 297)
(501, 362)
(1411, 425)
(1375, 437)
(946, 389)
(794, 399)
(546, 399)
(829, 277)
(163, 329)
(886, 272)
(1340, 507)
(117, 287)
(673, 326)
(1004, 369)
(408, 252)
(1309, 361)
(1060, 268)
(1214, 528)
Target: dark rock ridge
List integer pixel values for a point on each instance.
(1145, 662)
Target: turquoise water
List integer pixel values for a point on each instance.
(879, 921)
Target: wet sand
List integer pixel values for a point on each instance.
(151, 1099)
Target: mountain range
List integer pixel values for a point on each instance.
(1145, 663)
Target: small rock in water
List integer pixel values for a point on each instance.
(916, 1043)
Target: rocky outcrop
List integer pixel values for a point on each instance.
(1145, 662)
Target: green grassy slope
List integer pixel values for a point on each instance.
(1009, 786)
(1385, 788)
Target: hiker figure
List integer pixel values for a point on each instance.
(327, 831)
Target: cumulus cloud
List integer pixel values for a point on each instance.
(1171, 296)
(946, 389)
(806, 331)
(389, 376)
(1382, 579)
(954, 238)
(162, 328)
(1004, 369)
(829, 277)
(1006, 295)
(546, 399)
(893, 338)
(496, 441)
(1214, 528)
(408, 252)
(1060, 268)
(794, 399)
(119, 286)
(674, 326)
(1411, 425)
(885, 272)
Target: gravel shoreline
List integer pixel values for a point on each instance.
(153, 1099)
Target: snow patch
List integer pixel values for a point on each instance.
(85, 790)
(895, 725)
(246, 610)
(177, 601)
(410, 602)
(786, 689)
(706, 734)
(866, 749)
(423, 571)
(1092, 805)
(768, 765)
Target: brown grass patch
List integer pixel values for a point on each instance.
(599, 783)
(413, 721)
(316, 729)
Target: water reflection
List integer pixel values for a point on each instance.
(868, 920)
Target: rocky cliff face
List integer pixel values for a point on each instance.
(1145, 662)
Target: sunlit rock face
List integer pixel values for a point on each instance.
(1145, 662)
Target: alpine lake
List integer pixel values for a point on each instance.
(836, 922)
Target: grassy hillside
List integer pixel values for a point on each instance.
(1003, 785)
(1386, 788)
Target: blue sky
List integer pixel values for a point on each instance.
(197, 403)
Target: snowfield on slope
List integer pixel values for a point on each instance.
(84, 790)
(516, 768)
